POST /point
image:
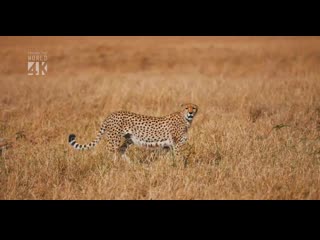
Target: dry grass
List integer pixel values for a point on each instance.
(257, 134)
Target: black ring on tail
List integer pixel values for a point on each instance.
(71, 138)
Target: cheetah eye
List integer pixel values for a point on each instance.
(186, 108)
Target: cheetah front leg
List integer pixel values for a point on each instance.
(182, 150)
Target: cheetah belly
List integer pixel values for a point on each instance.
(142, 143)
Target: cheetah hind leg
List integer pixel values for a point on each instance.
(113, 150)
(120, 153)
(119, 150)
(124, 144)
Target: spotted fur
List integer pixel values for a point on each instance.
(122, 129)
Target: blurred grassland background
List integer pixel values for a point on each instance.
(256, 136)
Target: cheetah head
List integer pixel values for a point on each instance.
(189, 111)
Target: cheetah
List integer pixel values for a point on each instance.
(123, 128)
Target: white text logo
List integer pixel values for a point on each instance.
(37, 63)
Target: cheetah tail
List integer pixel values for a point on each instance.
(74, 144)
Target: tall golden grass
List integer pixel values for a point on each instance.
(256, 136)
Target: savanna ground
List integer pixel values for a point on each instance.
(256, 136)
